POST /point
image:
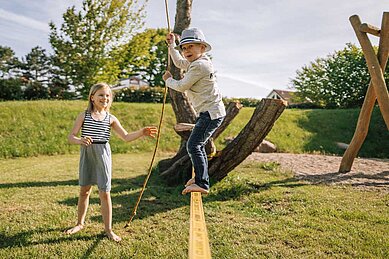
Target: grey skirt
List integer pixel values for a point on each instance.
(96, 166)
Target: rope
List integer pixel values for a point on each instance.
(168, 28)
(159, 130)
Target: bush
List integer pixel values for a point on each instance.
(142, 95)
(36, 91)
(11, 89)
(246, 102)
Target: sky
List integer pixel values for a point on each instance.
(258, 45)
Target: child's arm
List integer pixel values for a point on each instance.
(178, 60)
(72, 137)
(193, 75)
(123, 134)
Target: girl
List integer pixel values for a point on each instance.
(95, 155)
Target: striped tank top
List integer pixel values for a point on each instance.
(99, 131)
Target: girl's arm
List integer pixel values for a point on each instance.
(72, 137)
(123, 134)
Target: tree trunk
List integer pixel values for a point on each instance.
(178, 169)
(261, 122)
(183, 110)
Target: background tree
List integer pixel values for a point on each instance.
(86, 47)
(8, 62)
(146, 56)
(338, 81)
(36, 66)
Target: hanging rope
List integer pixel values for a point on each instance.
(159, 128)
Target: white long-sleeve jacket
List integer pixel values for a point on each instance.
(199, 83)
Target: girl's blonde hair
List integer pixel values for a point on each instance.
(93, 90)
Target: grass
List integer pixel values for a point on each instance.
(32, 128)
(258, 211)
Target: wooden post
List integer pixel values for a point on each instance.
(369, 102)
(370, 29)
(374, 68)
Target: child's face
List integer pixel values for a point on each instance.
(101, 98)
(192, 51)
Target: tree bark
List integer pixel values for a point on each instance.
(232, 111)
(261, 122)
(183, 110)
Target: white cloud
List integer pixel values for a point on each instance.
(24, 21)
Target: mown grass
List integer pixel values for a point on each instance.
(258, 211)
(34, 128)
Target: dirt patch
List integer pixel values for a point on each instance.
(366, 172)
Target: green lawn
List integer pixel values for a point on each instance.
(258, 211)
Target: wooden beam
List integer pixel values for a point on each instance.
(374, 68)
(368, 104)
(367, 28)
(198, 235)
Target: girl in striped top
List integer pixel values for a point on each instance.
(95, 154)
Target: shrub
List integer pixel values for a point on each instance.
(141, 95)
(11, 89)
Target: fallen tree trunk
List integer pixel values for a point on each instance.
(232, 110)
(261, 122)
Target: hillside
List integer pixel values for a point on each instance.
(32, 128)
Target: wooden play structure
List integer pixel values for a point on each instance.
(377, 89)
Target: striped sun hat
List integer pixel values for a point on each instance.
(193, 35)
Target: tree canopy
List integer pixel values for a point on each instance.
(87, 46)
(146, 56)
(338, 81)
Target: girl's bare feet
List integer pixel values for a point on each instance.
(74, 230)
(113, 236)
(190, 182)
(194, 188)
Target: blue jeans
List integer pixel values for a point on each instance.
(195, 146)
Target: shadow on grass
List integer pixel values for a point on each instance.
(38, 184)
(338, 125)
(355, 179)
(22, 239)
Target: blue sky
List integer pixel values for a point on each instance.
(257, 44)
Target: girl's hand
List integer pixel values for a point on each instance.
(170, 38)
(86, 141)
(150, 131)
(166, 76)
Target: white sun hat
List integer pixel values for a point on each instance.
(193, 35)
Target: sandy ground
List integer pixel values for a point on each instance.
(366, 173)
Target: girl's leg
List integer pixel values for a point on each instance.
(106, 212)
(83, 203)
